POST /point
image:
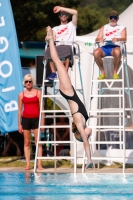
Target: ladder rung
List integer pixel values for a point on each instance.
(98, 116)
(54, 111)
(107, 111)
(52, 95)
(129, 129)
(106, 158)
(51, 126)
(119, 127)
(106, 142)
(56, 116)
(56, 157)
(105, 95)
(114, 88)
(56, 142)
(107, 80)
(47, 81)
(128, 109)
(107, 129)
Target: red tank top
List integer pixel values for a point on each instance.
(30, 106)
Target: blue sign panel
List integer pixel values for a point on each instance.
(10, 70)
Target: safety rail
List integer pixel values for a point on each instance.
(54, 96)
(120, 128)
(58, 157)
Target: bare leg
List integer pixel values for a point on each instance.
(116, 53)
(27, 148)
(35, 131)
(62, 73)
(68, 90)
(98, 55)
(52, 67)
(67, 61)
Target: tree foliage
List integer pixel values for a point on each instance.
(33, 16)
(89, 20)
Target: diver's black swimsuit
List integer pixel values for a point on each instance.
(75, 98)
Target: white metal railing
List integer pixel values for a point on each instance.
(59, 157)
(54, 96)
(102, 128)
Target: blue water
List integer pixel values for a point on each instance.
(27, 186)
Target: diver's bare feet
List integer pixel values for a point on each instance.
(49, 33)
(89, 165)
(27, 167)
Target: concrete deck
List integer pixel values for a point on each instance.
(67, 170)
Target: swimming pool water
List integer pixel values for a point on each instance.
(27, 186)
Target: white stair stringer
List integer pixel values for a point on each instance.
(96, 112)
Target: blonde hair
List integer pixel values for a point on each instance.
(28, 77)
(76, 132)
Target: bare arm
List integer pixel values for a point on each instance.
(20, 96)
(123, 36)
(73, 12)
(99, 37)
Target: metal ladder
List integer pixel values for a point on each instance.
(98, 93)
(55, 96)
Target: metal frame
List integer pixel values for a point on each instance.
(53, 97)
(120, 111)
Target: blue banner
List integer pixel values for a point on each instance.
(10, 70)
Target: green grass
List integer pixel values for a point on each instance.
(50, 163)
(5, 162)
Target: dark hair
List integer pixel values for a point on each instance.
(113, 13)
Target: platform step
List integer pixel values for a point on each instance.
(52, 95)
(54, 111)
(52, 126)
(56, 158)
(107, 80)
(107, 110)
(106, 142)
(106, 95)
(107, 158)
(56, 142)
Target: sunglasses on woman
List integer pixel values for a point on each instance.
(28, 81)
(113, 17)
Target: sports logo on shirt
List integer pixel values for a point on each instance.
(62, 30)
(111, 32)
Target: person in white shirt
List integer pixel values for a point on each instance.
(110, 37)
(64, 36)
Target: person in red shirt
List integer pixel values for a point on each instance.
(28, 117)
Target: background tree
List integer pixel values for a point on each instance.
(32, 16)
